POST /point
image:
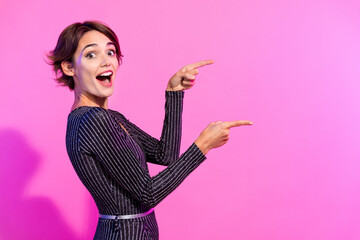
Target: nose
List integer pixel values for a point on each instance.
(105, 61)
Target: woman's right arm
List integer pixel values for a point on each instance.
(100, 135)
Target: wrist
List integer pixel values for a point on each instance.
(174, 89)
(203, 148)
(169, 88)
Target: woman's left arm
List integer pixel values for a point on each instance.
(167, 149)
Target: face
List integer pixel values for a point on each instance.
(94, 66)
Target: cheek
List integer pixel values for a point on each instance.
(84, 76)
(87, 71)
(116, 63)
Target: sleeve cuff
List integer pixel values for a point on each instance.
(198, 151)
(174, 94)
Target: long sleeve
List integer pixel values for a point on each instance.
(100, 135)
(166, 150)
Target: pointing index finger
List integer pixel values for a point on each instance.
(236, 123)
(200, 64)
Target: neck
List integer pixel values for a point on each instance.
(83, 100)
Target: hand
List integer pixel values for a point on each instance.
(216, 134)
(185, 78)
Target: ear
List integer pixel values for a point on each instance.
(67, 68)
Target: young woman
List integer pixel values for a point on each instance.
(108, 152)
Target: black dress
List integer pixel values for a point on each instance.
(111, 163)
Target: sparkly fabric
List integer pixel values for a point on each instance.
(111, 163)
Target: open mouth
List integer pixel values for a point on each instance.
(105, 78)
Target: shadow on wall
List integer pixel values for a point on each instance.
(25, 217)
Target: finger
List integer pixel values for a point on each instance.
(187, 83)
(236, 123)
(199, 64)
(189, 71)
(189, 77)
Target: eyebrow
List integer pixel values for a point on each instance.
(95, 44)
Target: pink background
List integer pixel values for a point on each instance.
(292, 67)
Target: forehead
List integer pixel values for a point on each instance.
(93, 37)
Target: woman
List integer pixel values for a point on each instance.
(108, 152)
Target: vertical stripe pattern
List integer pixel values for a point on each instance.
(111, 163)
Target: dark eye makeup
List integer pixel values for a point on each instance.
(90, 55)
(111, 52)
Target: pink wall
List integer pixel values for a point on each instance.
(292, 67)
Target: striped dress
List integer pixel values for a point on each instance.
(111, 163)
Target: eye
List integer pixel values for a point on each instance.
(90, 55)
(111, 52)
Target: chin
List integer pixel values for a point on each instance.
(106, 93)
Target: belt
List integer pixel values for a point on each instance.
(116, 217)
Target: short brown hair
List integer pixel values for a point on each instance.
(68, 42)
